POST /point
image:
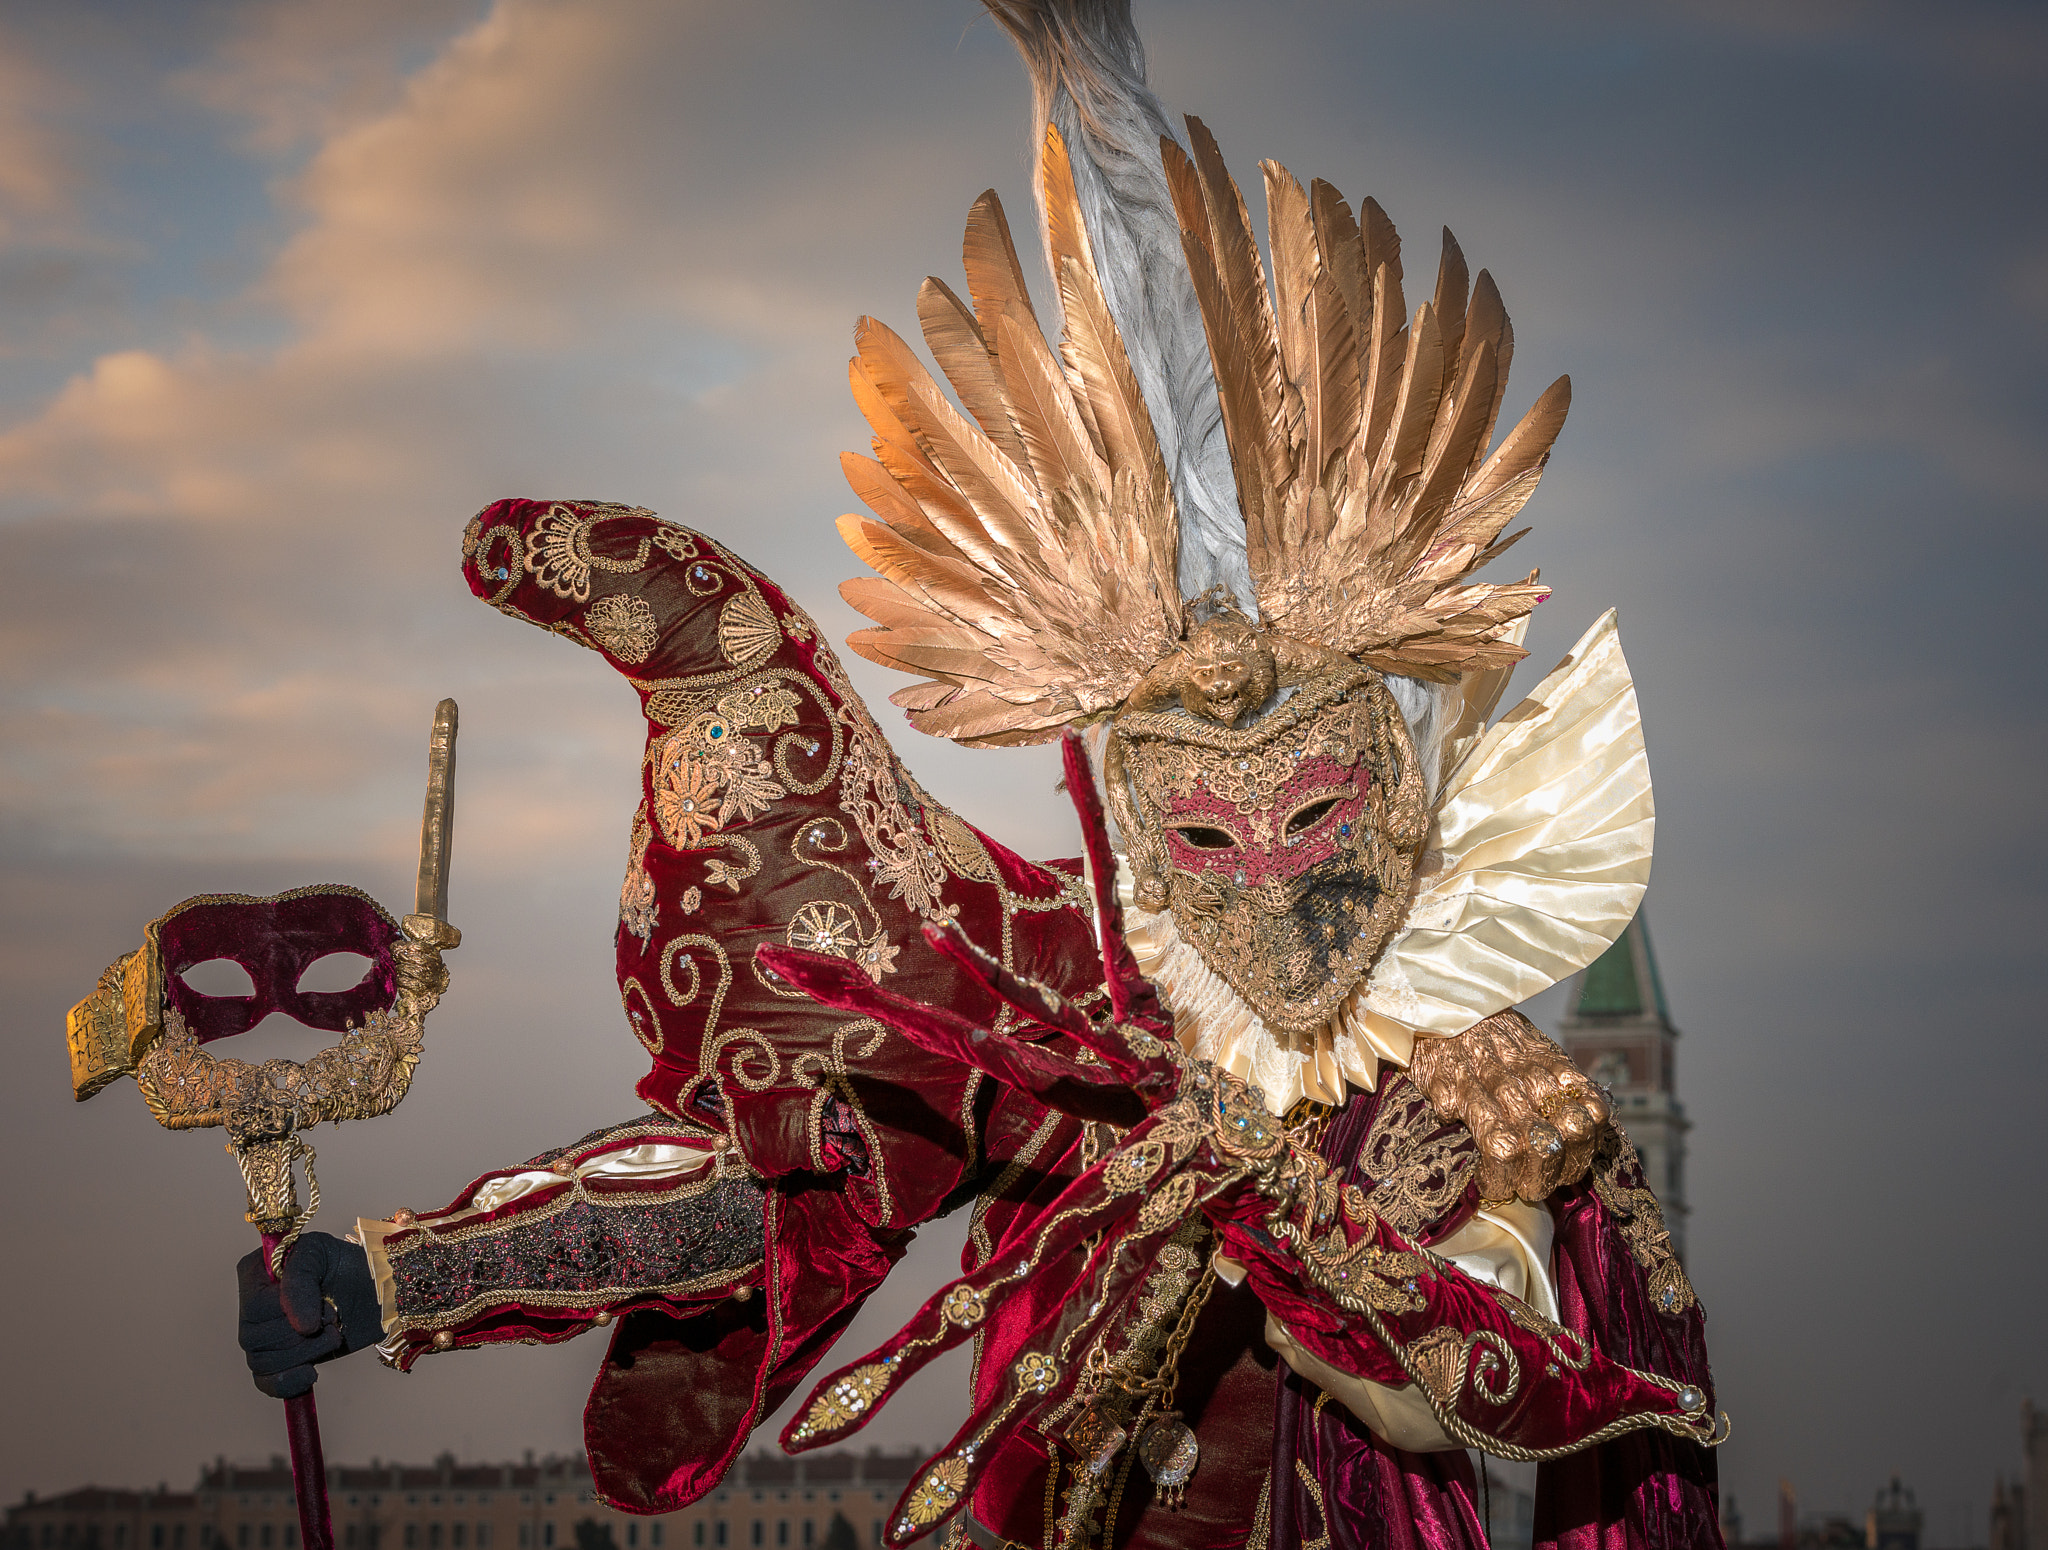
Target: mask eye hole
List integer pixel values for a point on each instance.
(1308, 817)
(1202, 837)
(335, 972)
(219, 977)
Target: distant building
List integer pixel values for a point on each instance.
(1618, 1030)
(2034, 1457)
(765, 1502)
(1894, 1520)
(95, 1519)
(2019, 1510)
(2008, 1527)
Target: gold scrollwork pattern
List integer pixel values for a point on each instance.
(558, 552)
(1420, 1164)
(1617, 1181)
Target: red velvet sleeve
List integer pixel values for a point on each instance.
(772, 810)
(649, 1213)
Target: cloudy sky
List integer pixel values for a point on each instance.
(288, 289)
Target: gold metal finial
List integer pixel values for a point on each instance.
(437, 825)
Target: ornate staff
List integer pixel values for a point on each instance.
(144, 1020)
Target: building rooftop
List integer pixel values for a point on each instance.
(1623, 981)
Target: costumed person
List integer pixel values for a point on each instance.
(1278, 1206)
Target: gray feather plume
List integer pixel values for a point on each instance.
(1087, 70)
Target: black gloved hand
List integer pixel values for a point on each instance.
(325, 1307)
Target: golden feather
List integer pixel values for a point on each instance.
(1025, 552)
(1360, 438)
(1019, 560)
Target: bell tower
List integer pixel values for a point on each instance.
(1618, 1030)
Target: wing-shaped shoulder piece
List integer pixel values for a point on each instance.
(1024, 551)
(1540, 855)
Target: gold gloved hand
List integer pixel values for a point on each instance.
(1534, 1115)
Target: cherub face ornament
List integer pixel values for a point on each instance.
(1284, 849)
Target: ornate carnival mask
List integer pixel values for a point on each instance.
(1284, 849)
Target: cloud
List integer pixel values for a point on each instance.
(38, 172)
(294, 73)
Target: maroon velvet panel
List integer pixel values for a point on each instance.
(832, 846)
(680, 1393)
(1646, 1491)
(657, 1433)
(1331, 1476)
(1335, 1483)
(277, 939)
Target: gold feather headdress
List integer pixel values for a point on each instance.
(1026, 557)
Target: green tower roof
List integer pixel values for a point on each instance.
(1615, 982)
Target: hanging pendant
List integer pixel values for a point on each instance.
(1169, 1452)
(1096, 1438)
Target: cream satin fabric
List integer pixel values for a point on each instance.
(650, 1160)
(1539, 855)
(1507, 1247)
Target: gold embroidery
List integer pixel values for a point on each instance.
(961, 849)
(623, 625)
(726, 874)
(823, 927)
(1315, 1490)
(1262, 1517)
(812, 844)
(637, 903)
(1170, 1202)
(505, 572)
(558, 551)
(878, 794)
(846, 1399)
(937, 1491)
(1438, 1359)
(685, 995)
(1419, 1163)
(965, 1306)
(1640, 1221)
(1133, 1167)
(643, 1019)
(757, 1067)
(685, 795)
(762, 703)
(746, 630)
(878, 957)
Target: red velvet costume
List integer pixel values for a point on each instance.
(833, 1137)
